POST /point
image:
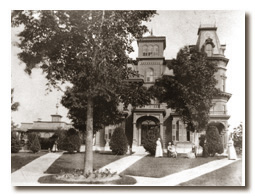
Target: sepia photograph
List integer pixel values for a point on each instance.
(128, 98)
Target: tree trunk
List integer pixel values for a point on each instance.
(88, 166)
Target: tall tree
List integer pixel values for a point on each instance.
(191, 90)
(14, 107)
(87, 48)
(106, 112)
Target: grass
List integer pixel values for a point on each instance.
(230, 175)
(50, 179)
(20, 159)
(159, 167)
(70, 162)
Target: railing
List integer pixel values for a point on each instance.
(218, 112)
(151, 106)
(151, 78)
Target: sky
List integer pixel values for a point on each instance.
(179, 28)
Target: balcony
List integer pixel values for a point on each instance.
(219, 115)
(151, 79)
(151, 108)
(218, 112)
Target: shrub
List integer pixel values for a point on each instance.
(213, 141)
(119, 142)
(33, 142)
(46, 143)
(150, 140)
(202, 144)
(238, 138)
(71, 141)
(59, 136)
(202, 140)
(15, 143)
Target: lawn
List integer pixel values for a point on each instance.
(230, 175)
(159, 167)
(20, 159)
(71, 162)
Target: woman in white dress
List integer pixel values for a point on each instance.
(159, 152)
(231, 150)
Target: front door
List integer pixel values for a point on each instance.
(148, 127)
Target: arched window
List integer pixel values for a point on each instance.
(208, 49)
(155, 50)
(223, 85)
(145, 50)
(150, 50)
(224, 109)
(149, 75)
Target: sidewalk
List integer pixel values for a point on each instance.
(30, 173)
(122, 164)
(183, 176)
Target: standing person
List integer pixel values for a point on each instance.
(169, 148)
(231, 150)
(159, 152)
(55, 146)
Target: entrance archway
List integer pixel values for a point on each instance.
(219, 125)
(147, 125)
(222, 131)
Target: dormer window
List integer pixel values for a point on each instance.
(145, 51)
(149, 75)
(223, 83)
(208, 49)
(155, 50)
(150, 51)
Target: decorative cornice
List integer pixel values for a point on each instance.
(153, 39)
(150, 58)
(219, 58)
(150, 110)
(219, 117)
(206, 29)
(224, 95)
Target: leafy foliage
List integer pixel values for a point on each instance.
(105, 111)
(202, 140)
(46, 143)
(72, 141)
(213, 141)
(14, 107)
(86, 48)
(119, 142)
(15, 143)
(150, 140)
(191, 90)
(33, 142)
(238, 137)
(59, 136)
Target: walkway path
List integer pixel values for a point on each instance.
(30, 173)
(183, 176)
(122, 164)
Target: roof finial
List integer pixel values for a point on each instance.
(151, 32)
(57, 105)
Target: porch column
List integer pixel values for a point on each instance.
(162, 134)
(135, 136)
(161, 129)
